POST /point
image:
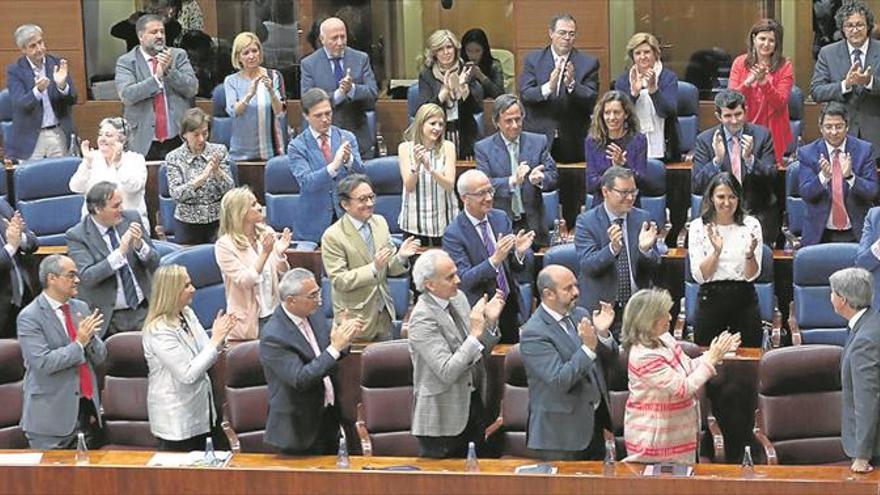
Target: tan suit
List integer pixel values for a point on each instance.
(349, 265)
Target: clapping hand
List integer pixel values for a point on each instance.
(748, 146)
(422, 156)
(569, 75)
(522, 170)
(14, 229)
(477, 318)
(647, 236)
(88, 326)
(846, 165)
(718, 146)
(59, 74)
(753, 246)
(465, 75)
(722, 344)
(857, 76)
(224, 323)
(824, 166)
(587, 333)
(603, 318)
(494, 307)
(41, 82)
(137, 234)
(283, 242)
(649, 80)
(616, 154)
(555, 75)
(164, 65)
(346, 83)
(715, 238)
(523, 242)
(343, 154)
(380, 260)
(536, 176)
(86, 150)
(635, 81)
(344, 332)
(615, 234)
(502, 249)
(409, 247)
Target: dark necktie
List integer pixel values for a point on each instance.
(500, 277)
(624, 287)
(571, 329)
(15, 273)
(337, 70)
(128, 288)
(857, 57)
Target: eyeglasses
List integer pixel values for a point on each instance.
(854, 26)
(314, 295)
(490, 191)
(68, 275)
(367, 198)
(626, 192)
(833, 127)
(566, 34)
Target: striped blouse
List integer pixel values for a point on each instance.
(429, 208)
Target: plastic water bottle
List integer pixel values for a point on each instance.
(381, 147)
(82, 450)
(210, 458)
(471, 464)
(555, 233)
(748, 465)
(788, 247)
(73, 149)
(608, 465)
(342, 459)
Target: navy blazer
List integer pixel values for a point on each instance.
(295, 377)
(27, 110)
(817, 197)
(350, 113)
(317, 189)
(465, 246)
(596, 262)
(26, 261)
(494, 161)
(665, 101)
(865, 257)
(860, 389)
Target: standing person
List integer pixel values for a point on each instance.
(59, 342)
(559, 86)
(487, 69)
(765, 77)
(868, 256)
(42, 96)
(180, 404)
(255, 101)
(156, 84)
(427, 166)
(18, 287)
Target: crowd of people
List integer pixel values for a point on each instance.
(469, 242)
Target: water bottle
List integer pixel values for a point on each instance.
(471, 464)
(748, 465)
(82, 450)
(210, 458)
(788, 247)
(342, 459)
(73, 149)
(381, 147)
(554, 234)
(608, 465)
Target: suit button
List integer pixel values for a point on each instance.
(76, 394)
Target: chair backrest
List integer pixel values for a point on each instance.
(508, 67)
(412, 101)
(124, 399)
(165, 248)
(551, 208)
(221, 130)
(794, 204)
(45, 200)
(696, 205)
(282, 197)
(565, 255)
(166, 204)
(799, 399)
(5, 116)
(372, 130)
(387, 398)
(400, 295)
(764, 286)
(514, 406)
(247, 396)
(688, 115)
(384, 173)
(210, 296)
(812, 266)
(795, 117)
(11, 382)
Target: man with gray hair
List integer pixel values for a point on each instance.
(851, 292)
(300, 358)
(449, 343)
(520, 167)
(42, 96)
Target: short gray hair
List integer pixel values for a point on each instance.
(855, 285)
(24, 34)
(503, 103)
(145, 19)
(425, 268)
(118, 123)
(312, 97)
(613, 173)
(99, 195)
(50, 265)
(464, 180)
(292, 282)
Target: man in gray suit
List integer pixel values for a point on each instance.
(565, 355)
(156, 84)
(845, 71)
(60, 348)
(449, 344)
(851, 293)
(345, 74)
(115, 259)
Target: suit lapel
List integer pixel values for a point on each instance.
(95, 237)
(51, 318)
(297, 339)
(468, 230)
(314, 150)
(354, 238)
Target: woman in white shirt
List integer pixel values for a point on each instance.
(113, 163)
(724, 246)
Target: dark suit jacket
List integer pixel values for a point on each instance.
(97, 284)
(665, 101)
(317, 72)
(596, 262)
(860, 383)
(817, 197)
(27, 110)
(295, 379)
(565, 113)
(494, 161)
(429, 92)
(563, 388)
(865, 257)
(26, 262)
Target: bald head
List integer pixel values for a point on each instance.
(333, 36)
(476, 193)
(558, 288)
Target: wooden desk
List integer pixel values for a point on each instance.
(119, 472)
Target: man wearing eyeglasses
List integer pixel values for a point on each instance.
(559, 86)
(616, 247)
(845, 71)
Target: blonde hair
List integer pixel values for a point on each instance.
(168, 282)
(233, 208)
(415, 132)
(640, 38)
(240, 43)
(437, 39)
(642, 311)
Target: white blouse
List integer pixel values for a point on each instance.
(130, 177)
(732, 261)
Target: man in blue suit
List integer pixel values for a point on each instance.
(868, 256)
(346, 74)
(486, 252)
(319, 157)
(42, 95)
(559, 86)
(17, 261)
(520, 167)
(838, 180)
(616, 246)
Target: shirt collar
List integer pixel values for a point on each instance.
(357, 223)
(101, 227)
(556, 316)
(727, 134)
(507, 142)
(317, 135)
(297, 320)
(474, 220)
(863, 48)
(34, 67)
(331, 57)
(146, 55)
(557, 56)
(611, 216)
(443, 303)
(56, 304)
(831, 149)
(855, 319)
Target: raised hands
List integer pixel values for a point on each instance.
(494, 307)
(522, 170)
(343, 154)
(344, 332)
(14, 229)
(846, 165)
(616, 154)
(382, 257)
(647, 236)
(718, 146)
(346, 83)
(164, 65)
(422, 156)
(635, 81)
(615, 234)
(59, 74)
(502, 249)
(603, 318)
(824, 166)
(748, 146)
(715, 238)
(133, 237)
(587, 333)
(88, 326)
(722, 344)
(283, 242)
(409, 247)
(223, 324)
(523, 242)
(857, 76)
(568, 79)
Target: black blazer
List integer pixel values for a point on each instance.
(429, 92)
(26, 262)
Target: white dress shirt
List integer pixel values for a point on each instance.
(130, 178)
(732, 261)
(49, 117)
(546, 90)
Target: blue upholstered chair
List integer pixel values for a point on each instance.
(282, 196)
(412, 101)
(794, 204)
(44, 198)
(210, 296)
(221, 122)
(5, 115)
(795, 118)
(399, 287)
(812, 319)
(384, 173)
(688, 116)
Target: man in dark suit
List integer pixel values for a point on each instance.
(868, 255)
(845, 71)
(746, 151)
(320, 157)
(115, 259)
(616, 246)
(61, 348)
(42, 95)
(837, 180)
(486, 252)
(565, 355)
(346, 74)
(299, 356)
(520, 167)
(851, 293)
(17, 261)
(559, 86)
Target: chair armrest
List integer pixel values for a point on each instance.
(232, 437)
(681, 239)
(678, 330)
(776, 328)
(796, 337)
(717, 437)
(792, 239)
(361, 426)
(769, 449)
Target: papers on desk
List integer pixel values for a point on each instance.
(668, 470)
(536, 469)
(23, 459)
(195, 458)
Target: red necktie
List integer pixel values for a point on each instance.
(85, 378)
(736, 158)
(159, 109)
(325, 148)
(838, 209)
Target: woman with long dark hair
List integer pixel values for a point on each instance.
(486, 68)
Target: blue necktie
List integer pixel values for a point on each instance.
(337, 69)
(128, 288)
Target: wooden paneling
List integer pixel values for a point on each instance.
(495, 17)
